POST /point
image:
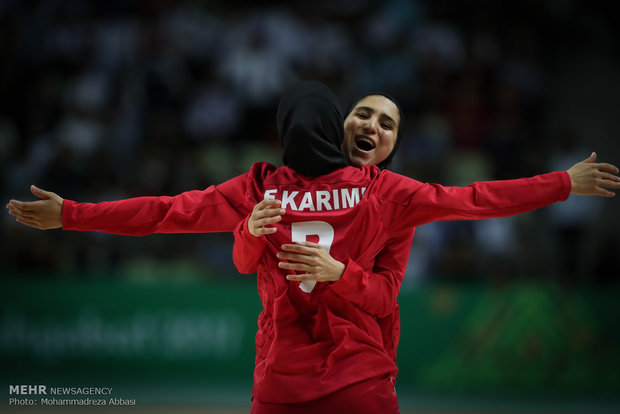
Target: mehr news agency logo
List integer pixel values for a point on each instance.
(42, 395)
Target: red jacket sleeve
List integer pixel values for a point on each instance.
(219, 208)
(418, 203)
(376, 292)
(247, 249)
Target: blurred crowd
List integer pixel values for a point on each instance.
(116, 99)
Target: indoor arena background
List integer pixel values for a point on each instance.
(101, 100)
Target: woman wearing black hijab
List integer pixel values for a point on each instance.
(216, 207)
(311, 130)
(309, 147)
(376, 125)
(319, 346)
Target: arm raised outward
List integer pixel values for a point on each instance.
(419, 203)
(584, 178)
(218, 208)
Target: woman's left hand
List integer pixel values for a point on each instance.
(591, 178)
(312, 259)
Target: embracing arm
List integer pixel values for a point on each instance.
(486, 199)
(214, 209)
(376, 292)
(218, 208)
(250, 234)
(373, 291)
(247, 249)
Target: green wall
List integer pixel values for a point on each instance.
(194, 341)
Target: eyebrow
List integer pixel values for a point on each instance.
(372, 110)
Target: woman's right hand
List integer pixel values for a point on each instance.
(264, 215)
(43, 214)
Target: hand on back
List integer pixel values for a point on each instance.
(264, 215)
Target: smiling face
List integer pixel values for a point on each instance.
(370, 130)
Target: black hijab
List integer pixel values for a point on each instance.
(310, 125)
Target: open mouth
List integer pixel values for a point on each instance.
(365, 144)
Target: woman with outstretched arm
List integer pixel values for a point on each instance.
(315, 351)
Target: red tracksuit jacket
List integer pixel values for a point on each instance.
(302, 357)
(313, 341)
(219, 209)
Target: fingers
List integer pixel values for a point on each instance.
(267, 209)
(40, 193)
(600, 190)
(301, 247)
(605, 180)
(609, 183)
(259, 228)
(29, 223)
(299, 267)
(14, 212)
(20, 206)
(306, 253)
(591, 158)
(30, 220)
(302, 258)
(609, 177)
(305, 258)
(264, 214)
(603, 166)
(263, 218)
(267, 203)
(605, 193)
(268, 213)
(21, 210)
(303, 277)
(24, 216)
